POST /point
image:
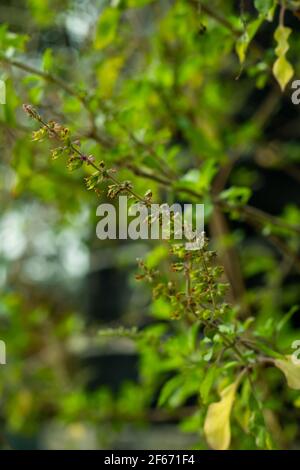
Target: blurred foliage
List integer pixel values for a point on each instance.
(184, 100)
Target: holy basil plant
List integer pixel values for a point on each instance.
(162, 102)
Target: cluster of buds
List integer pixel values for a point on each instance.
(31, 112)
(116, 189)
(76, 158)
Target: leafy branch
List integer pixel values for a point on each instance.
(197, 297)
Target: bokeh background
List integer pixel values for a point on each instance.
(171, 73)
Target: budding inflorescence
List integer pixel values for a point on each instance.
(75, 157)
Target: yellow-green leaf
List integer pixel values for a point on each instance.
(245, 39)
(282, 69)
(283, 72)
(242, 46)
(290, 370)
(217, 422)
(281, 36)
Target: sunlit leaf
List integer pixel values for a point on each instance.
(217, 422)
(282, 69)
(290, 370)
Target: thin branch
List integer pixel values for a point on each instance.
(46, 76)
(217, 17)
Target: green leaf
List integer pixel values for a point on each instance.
(2, 92)
(245, 39)
(287, 317)
(207, 383)
(107, 27)
(48, 60)
(170, 387)
(9, 42)
(264, 7)
(236, 196)
(199, 179)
